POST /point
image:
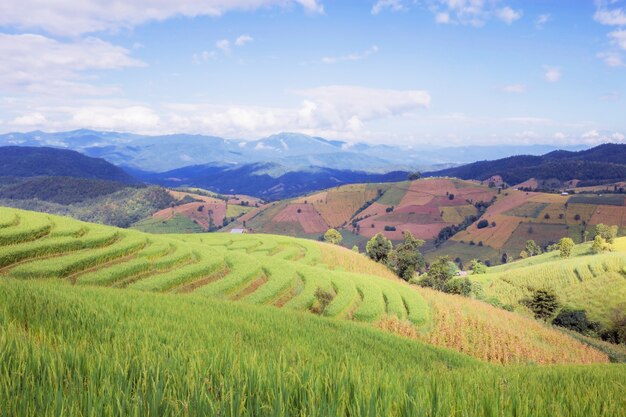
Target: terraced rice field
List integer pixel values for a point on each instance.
(251, 269)
(595, 283)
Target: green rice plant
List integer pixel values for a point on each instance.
(28, 229)
(241, 270)
(393, 300)
(188, 273)
(372, 305)
(280, 277)
(63, 266)
(8, 219)
(99, 352)
(346, 297)
(313, 280)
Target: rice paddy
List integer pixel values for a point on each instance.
(99, 321)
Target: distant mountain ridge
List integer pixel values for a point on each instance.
(24, 161)
(294, 151)
(269, 181)
(602, 163)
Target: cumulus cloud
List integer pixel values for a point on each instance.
(551, 74)
(609, 16)
(472, 12)
(333, 111)
(618, 37)
(70, 19)
(355, 56)
(508, 15)
(38, 64)
(612, 59)
(393, 5)
(223, 45)
(243, 39)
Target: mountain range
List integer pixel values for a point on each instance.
(603, 163)
(291, 151)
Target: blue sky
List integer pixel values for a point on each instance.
(435, 72)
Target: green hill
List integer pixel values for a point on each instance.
(594, 283)
(97, 320)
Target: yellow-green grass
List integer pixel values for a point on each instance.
(252, 269)
(90, 351)
(236, 210)
(595, 283)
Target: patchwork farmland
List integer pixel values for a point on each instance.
(423, 207)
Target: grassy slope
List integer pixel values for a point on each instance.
(84, 350)
(258, 269)
(92, 351)
(595, 283)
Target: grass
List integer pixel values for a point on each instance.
(174, 342)
(594, 283)
(95, 351)
(607, 199)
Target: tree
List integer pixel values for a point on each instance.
(482, 224)
(439, 273)
(333, 236)
(478, 267)
(532, 248)
(406, 258)
(575, 320)
(415, 176)
(378, 248)
(599, 245)
(608, 233)
(566, 245)
(543, 303)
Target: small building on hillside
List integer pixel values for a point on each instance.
(238, 231)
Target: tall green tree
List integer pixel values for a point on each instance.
(406, 259)
(439, 273)
(378, 248)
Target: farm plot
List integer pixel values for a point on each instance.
(304, 215)
(544, 234)
(529, 209)
(611, 215)
(606, 199)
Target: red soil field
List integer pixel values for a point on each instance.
(308, 218)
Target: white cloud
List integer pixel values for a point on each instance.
(508, 15)
(542, 19)
(393, 5)
(332, 111)
(243, 39)
(612, 59)
(30, 120)
(442, 17)
(355, 56)
(614, 17)
(223, 45)
(618, 37)
(560, 136)
(69, 18)
(552, 74)
(41, 65)
(472, 12)
(514, 88)
(618, 137)
(591, 134)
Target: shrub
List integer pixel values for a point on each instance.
(333, 236)
(458, 285)
(324, 298)
(575, 320)
(478, 267)
(607, 233)
(566, 245)
(616, 332)
(543, 303)
(482, 224)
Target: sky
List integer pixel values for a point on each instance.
(412, 72)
